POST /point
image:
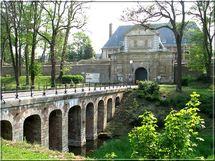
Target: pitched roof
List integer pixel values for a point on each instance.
(166, 36)
(115, 41)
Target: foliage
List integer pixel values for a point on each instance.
(204, 13)
(176, 140)
(35, 69)
(144, 139)
(72, 78)
(118, 148)
(149, 90)
(186, 80)
(81, 48)
(197, 57)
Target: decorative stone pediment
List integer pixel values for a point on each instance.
(140, 31)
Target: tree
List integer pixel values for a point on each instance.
(170, 10)
(81, 47)
(197, 54)
(76, 19)
(55, 12)
(36, 25)
(12, 16)
(203, 10)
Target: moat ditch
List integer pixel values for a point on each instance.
(124, 120)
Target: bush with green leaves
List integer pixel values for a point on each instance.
(187, 80)
(35, 69)
(149, 90)
(72, 78)
(175, 141)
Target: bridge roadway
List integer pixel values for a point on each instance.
(59, 120)
(54, 92)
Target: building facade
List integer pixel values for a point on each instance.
(136, 54)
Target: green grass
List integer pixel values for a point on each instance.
(9, 83)
(24, 151)
(116, 148)
(179, 99)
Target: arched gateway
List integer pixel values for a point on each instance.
(141, 74)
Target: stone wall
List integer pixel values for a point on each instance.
(81, 67)
(156, 64)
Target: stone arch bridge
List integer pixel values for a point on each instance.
(59, 121)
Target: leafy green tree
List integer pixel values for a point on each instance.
(204, 12)
(197, 57)
(81, 48)
(175, 141)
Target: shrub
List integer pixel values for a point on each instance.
(187, 80)
(204, 79)
(176, 140)
(149, 90)
(72, 78)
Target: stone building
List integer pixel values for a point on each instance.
(138, 54)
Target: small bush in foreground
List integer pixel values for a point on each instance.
(176, 139)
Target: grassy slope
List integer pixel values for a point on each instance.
(24, 151)
(120, 147)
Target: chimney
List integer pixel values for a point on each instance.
(110, 30)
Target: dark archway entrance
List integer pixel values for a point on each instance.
(89, 121)
(140, 74)
(74, 125)
(55, 130)
(100, 122)
(117, 102)
(109, 109)
(6, 130)
(32, 129)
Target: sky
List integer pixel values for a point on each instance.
(100, 15)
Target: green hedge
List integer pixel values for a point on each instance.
(77, 78)
(148, 90)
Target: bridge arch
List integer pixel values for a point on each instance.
(100, 116)
(117, 101)
(55, 130)
(74, 125)
(109, 109)
(6, 130)
(90, 121)
(32, 129)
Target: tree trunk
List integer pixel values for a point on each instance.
(44, 52)
(179, 66)
(26, 65)
(20, 58)
(34, 41)
(63, 53)
(32, 59)
(53, 61)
